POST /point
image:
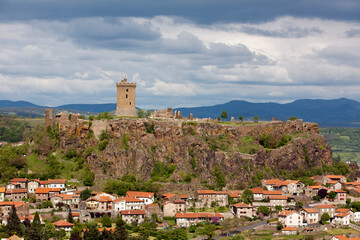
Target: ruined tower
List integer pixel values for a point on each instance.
(49, 117)
(125, 104)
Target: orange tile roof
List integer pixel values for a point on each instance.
(242, 205)
(168, 195)
(179, 201)
(340, 191)
(127, 199)
(132, 212)
(153, 205)
(140, 194)
(334, 176)
(286, 213)
(289, 229)
(342, 210)
(257, 190)
(62, 223)
(341, 215)
(273, 192)
(310, 210)
(186, 215)
(341, 237)
(281, 197)
(47, 190)
(57, 181)
(14, 191)
(205, 192)
(209, 215)
(184, 196)
(16, 204)
(2, 189)
(18, 180)
(75, 214)
(332, 182)
(315, 187)
(325, 206)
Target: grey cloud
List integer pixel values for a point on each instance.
(353, 33)
(288, 32)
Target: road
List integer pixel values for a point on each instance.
(243, 229)
(353, 226)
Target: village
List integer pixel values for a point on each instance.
(289, 206)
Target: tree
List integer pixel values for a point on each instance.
(332, 195)
(121, 231)
(264, 210)
(34, 232)
(256, 119)
(348, 201)
(224, 115)
(75, 236)
(106, 221)
(279, 226)
(49, 229)
(293, 118)
(247, 196)
(278, 208)
(85, 194)
(178, 234)
(241, 118)
(324, 218)
(13, 224)
(229, 223)
(70, 218)
(298, 205)
(92, 233)
(140, 113)
(219, 119)
(209, 231)
(322, 193)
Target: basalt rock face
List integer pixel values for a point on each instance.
(135, 145)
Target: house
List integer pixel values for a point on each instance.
(171, 208)
(330, 209)
(339, 178)
(21, 209)
(312, 191)
(100, 202)
(151, 209)
(290, 218)
(334, 185)
(57, 183)
(235, 194)
(128, 203)
(342, 237)
(289, 231)
(2, 193)
(188, 219)
(346, 210)
(243, 210)
(206, 197)
(148, 197)
(61, 224)
(44, 184)
(170, 197)
(16, 195)
(76, 216)
(31, 218)
(258, 194)
(59, 200)
(341, 219)
(278, 200)
(341, 196)
(44, 194)
(311, 215)
(130, 216)
(356, 216)
(21, 182)
(33, 185)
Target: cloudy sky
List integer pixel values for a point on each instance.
(180, 53)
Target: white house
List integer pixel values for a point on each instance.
(290, 218)
(311, 215)
(148, 197)
(341, 219)
(128, 203)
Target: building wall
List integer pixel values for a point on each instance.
(125, 98)
(170, 209)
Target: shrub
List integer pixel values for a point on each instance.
(149, 128)
(102, 145)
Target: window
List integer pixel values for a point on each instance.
(130, 103)
(126, 96)
(127, 90)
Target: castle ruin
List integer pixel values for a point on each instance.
(125, 101)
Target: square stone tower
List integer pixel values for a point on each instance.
(125, 104)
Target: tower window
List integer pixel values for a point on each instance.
(127, 90)
(126, 96)
(130, 103)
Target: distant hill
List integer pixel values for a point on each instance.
(338, 112)
(328, 113)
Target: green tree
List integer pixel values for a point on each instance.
(298, 205)
(13, 225)
(209, 231)
(219, 119)
(247, 196)
(241, 118)
(106, 220)
(278, 208)
(264, 210)
(224, 115)
(293, 118)
(85, 194)
(256, 119)
(178, 234)
(75, 236)
(70, 218)
(88, 178)
(325, 217)
(35, 229)
(92, 233)
(49, 230)
(121, 231)
(140, 113)
(279, 226)
(332, 195)
(348, 201)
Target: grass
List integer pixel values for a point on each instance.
(35, 164)
(341, 231)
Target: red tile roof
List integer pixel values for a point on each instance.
(310, 210)
(62, 223)
(57, 181)
(289, 229)
(281, 197)
(334, 176)
(16, 204)
(325, 206)
(47, 190)
(15, 191)
(242, 205)
(257, 191)
(127, 199)
(132, 212)
(203, 192)
(18, 180)
(341, 215)
(198, 215)
(272, 192)
(179, 201)
(140, 194)
(286, 213)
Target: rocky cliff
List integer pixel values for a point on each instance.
(176, 150)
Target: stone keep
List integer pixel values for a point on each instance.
(125, 103)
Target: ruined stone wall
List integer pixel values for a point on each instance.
(49, 117)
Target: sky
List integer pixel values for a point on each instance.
(180, 53)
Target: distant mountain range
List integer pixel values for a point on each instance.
(335, 113)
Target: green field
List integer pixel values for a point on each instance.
(344, 142)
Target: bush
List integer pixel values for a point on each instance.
(149, 128)
(103, 144)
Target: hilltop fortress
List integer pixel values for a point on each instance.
(125, 100)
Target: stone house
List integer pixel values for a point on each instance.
(290, 218)
(147, 197)
(128, 203)
(334, 185)
(33, 185)
(339, 178)
(130, 216)
(206, 197)
(16, 195)
(21, 209)
(258, 194)
(61, 224)
(188, 219)
(311, 215)
(100, 203)
(243, 210)
(151, 209)
(21, 182)
(346, 210)
(278, 200)
(341, 196)
(44, 194)
(72, 201)
(312, 191)
(330, 209)
(171, 208)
